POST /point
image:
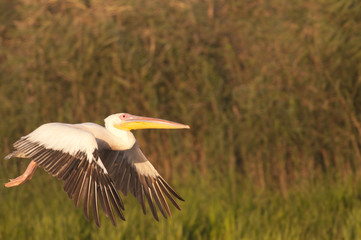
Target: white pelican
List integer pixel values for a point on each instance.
(94, 162)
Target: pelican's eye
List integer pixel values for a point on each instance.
(123, 116)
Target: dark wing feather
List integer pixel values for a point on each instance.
(132, 172)
(85, 178)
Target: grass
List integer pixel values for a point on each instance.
(251, 79)
(271, 90)
(326, 209)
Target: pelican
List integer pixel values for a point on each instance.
(95, 162)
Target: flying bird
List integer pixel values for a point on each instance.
(95, 162)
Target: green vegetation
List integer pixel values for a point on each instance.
(271, 89)
(40, 210)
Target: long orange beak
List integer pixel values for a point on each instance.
(133, 122)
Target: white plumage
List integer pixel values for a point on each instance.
(94, 162)
(64, 137)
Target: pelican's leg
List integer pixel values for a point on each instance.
(26, 176)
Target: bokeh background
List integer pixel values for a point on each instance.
(271, 89)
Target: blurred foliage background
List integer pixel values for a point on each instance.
(271, 89)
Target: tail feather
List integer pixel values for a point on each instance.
(15, 154)
(9, 156)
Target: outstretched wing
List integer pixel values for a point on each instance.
(131, 171)
(71, 154)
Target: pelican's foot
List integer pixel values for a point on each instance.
(26, 176)
(17, 181)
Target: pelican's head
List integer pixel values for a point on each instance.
(127, 122)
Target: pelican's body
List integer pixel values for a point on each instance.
(96, 161)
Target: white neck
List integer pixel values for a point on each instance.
(123, 139)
